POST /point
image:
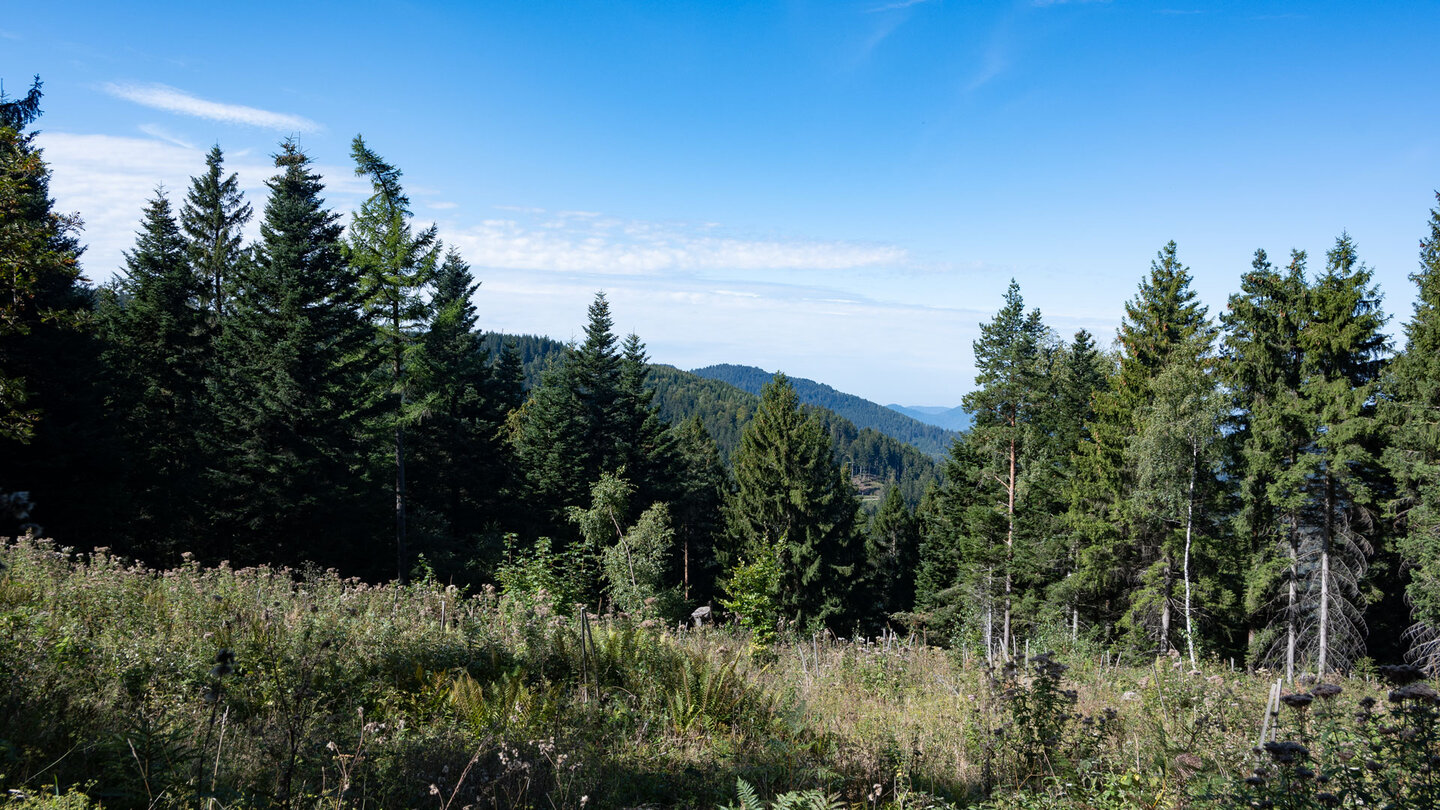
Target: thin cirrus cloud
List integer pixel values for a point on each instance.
(174, 100)
(583, 242)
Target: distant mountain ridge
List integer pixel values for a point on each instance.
(957, 418)
(929, 439)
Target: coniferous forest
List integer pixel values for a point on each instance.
(1254, 489)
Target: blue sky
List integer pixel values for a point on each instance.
(838, 190)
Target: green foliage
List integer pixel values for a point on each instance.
(158, 358)
(792, 800)
(752, 594)
(213, 218)
(789, 486)
(292, 401)
(633, 561)
(1413, 456)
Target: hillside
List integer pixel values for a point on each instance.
(957, 419)
(929, 439)
(875, 457)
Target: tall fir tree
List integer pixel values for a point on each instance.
(790, 491)
(1117, 545)
(1413, 454)
(892, 546)
(213, 219)
(296, 348)
(51, 390)
(1332, 486)
(461, 472)
(395, 266)
(157, 358)
(1262, 366)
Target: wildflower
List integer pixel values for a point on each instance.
(1325, 691)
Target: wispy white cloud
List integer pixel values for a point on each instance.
(170, 99)
(157, 131)
(896, 6)
(585, 241)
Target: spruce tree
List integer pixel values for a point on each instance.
(460, 470)
(892, 545)
(53, 443)
(157, 358)
(395, 266)
(296, 352)
(790, 491)
(1117, 543)
(703, 483)
(1268, 431)
(1008, 383)
(213, 218)
(1413, 457)
(1333, 484)
(40, 254)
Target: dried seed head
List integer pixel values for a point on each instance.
(1326, 691)
(1402, 674)
(1297, 701)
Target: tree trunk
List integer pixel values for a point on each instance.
(1189, 527)
(396, 349)
(1166, 596)
(1325, 543)
(1290, 612)
(1009, 541)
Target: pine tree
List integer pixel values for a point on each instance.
(39, 255)
(460, 469)
(157, 357)
(790, 491)
(53, 443)
(395, 266)
(584, 419)
(1268, 430)
(1008, 380)
(213, 218)
(892, 545)
(1332, 485)
(1413, 457)
(703, 484)
(1117, 544)
(1081, 373)
(296, 350)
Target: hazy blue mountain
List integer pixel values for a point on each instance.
(947, 418)
(927, 438)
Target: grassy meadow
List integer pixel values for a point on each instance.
(219, 688)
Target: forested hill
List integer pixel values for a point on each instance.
(933, 441)
(535, 352)
(956, 418)
(725, 410)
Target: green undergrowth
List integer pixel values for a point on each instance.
(123, 687)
